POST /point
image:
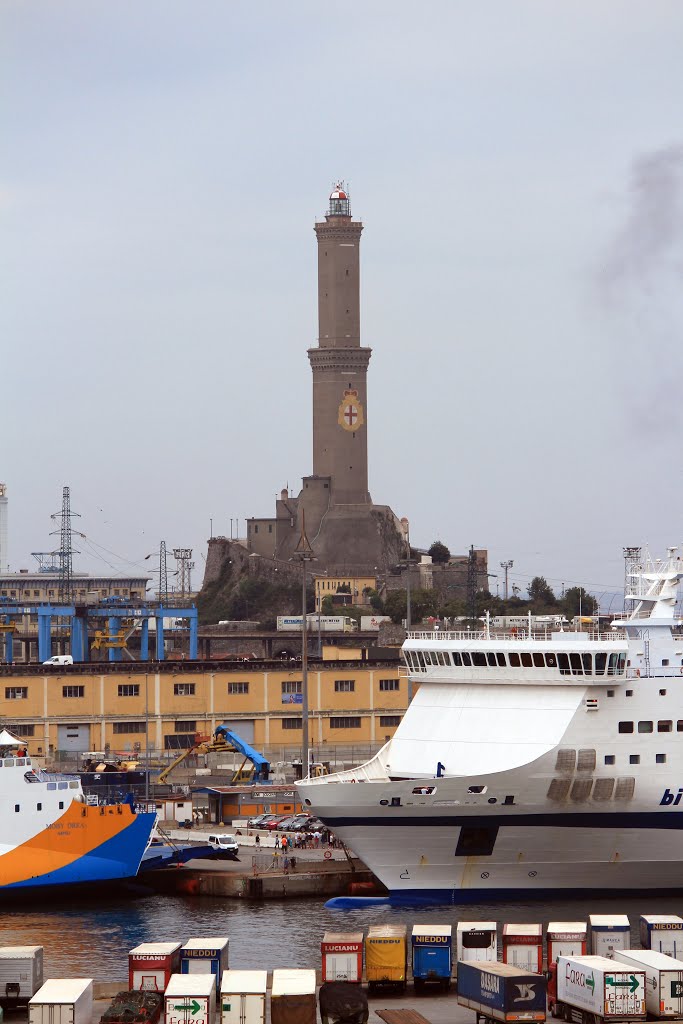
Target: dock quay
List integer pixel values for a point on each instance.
(261, 873)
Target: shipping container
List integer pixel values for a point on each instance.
(663, 980)
(292, 997)
(609, 932)
(663, 932)
(501, 992)
(386, 955)
(21, 974)
(62, 1001)
(432, 958)
(476, 940)
(342, 956)
(190, 999)
(151, 965)
(566, 938)
(201, 956)
(597, 988)
(523, 946)
(243, 997)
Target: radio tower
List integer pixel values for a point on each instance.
(163, 574)
(66, 549)
(183, 557)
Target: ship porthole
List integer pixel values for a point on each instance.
(384, 803)
(492, 800)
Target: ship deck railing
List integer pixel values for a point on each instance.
(518, 635)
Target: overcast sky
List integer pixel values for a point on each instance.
(518, 167)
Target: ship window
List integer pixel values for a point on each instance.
(502, 662)
(662, 693)
(629, 693)
(492, 660)
(563, 662)
(634, 759)
(551, 660)
(9, 762)
(600, 663)
(587, 664)
(457, 660)
(610, 759)
(420, 660)
(16, 808)
(39, 807)
(526, 659)
(576, 664)
(442, 659)
(665, 726)
(539, 660)
(665, 662)
(613, 662)
(61, 805)
(622, 663)
(610, 693)
(52, 785)
(514, 659)
(644, 726)
(447, 658)
(479, 659)
(660, 758)
(625, 726)
(475, 842)
(466, 660)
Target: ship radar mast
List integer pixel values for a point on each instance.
(340, 201)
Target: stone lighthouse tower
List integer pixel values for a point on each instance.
(339, 363)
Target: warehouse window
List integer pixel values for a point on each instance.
(16, 692)
(291, 687)
(73, 691)
(352, 722)
(26, 730)
(183, 689)
(344, 685)
(129, 690)
(291, 723)
(388, 721)
(388, 684)
(185, 726)
(121, 728)
(238, 687)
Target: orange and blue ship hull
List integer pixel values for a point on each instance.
(84, 845)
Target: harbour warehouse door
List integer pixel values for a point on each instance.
(73, 738)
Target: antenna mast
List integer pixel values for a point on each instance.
(185, 566)
(163, 574)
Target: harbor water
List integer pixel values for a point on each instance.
(92, 938)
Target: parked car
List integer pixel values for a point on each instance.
(274, 825)
(257, 820)
(285, 824)
(59, 659)
(300, 823)
(224, 844)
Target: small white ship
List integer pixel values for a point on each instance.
(529, 764)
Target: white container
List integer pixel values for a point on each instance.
(21, 968)
(523, 946)
(292, 997)
(664, 980)
(601, 987)
(62, 1001)
(204, 955)
(566, 938)
(609, 932)
(190, 999)
(243, 997)
(151, 964)
(476, 940)
(663, 932)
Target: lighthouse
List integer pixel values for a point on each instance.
(339, 363)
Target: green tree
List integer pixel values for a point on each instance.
(374, 600)
(540, 593)
(578, 601)
(395, 605)
(343, 588)
(439, 552)
(327, 608)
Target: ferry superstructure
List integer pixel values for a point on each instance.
(528, 764)
(52, 837)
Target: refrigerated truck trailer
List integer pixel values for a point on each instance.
(62, 1001)
(523, 946)
(342, 956)
(663, 932)
(609, 932)
(566, 938)
(243, 997)
(386, 956)
(21, 974)
(501, 992)
(205, 955)
(432, 960)
(590, 989)
(663, 980)
(190, 999)
(476, 941)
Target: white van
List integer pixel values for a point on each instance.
(225, 844)
(59, 659)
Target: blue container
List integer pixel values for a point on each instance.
(204, 956)
(501, 991)
(431, 946)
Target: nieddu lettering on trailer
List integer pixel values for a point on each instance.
(206, 953)
(431, 940)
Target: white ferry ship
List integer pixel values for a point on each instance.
(528, 764)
